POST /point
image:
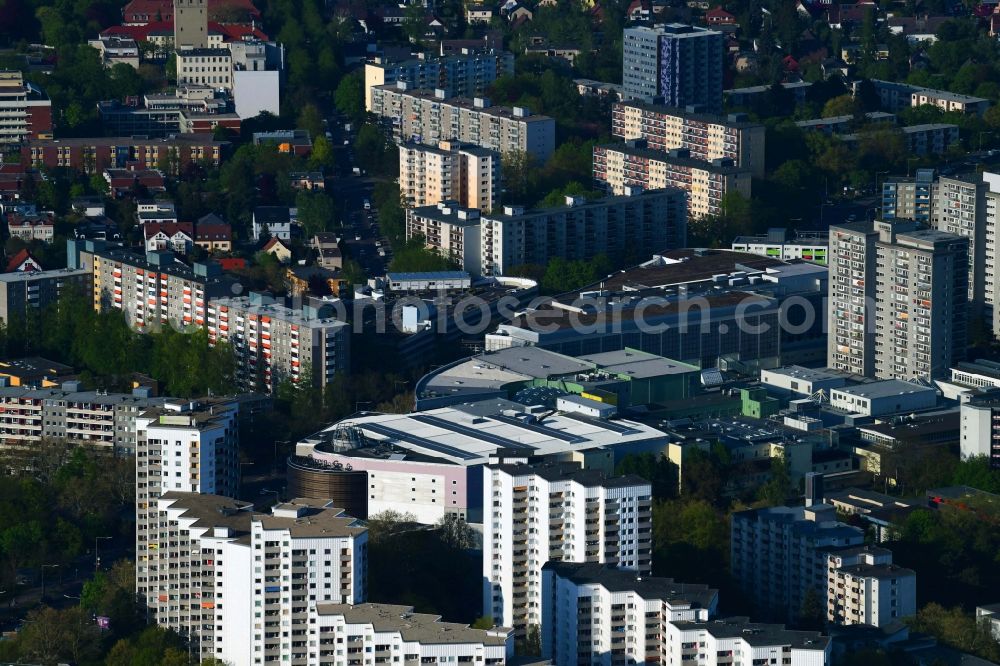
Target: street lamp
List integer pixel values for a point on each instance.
(877, 174)
(44, 567)
(97, 557)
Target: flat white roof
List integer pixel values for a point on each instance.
(884, 389)
(469, 434)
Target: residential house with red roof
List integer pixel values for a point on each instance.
(176, 236)
(213, 234)
(719, 18)
(140, 12)
(39, 227)
(22, 262)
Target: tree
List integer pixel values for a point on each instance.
(311, 120)
(349, 98)
(455, 532)
(51, 635)
(386, 524)
(316, 212)
(812, 614)
(956, 628)
(321, 156)
(531, 645)
(515, 167)
(483, 622)
(779, 487)
(372, 150)
(843, 105)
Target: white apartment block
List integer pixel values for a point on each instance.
(736, 641)
(463, 75)
(539, 513)
(865, 587)
(431, 116)
(304, 553)
(356, 634)
(96, 419)
(273, 342)
(979, 429)
(243, 587)
(991, 251)
(597, 614)
(960, 209)
(153, 290)
(450, 171)
(707, 137)
(779, 553)
(180, 447)
(493, 243)
(205, 67)
(25, 111)
(706, 183)
(921, 287)
(452, 231)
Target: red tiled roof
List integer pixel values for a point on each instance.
(232, 263)
(231, 32)
(214, 232)
(165, 9)
(150, 229)
(19, 259)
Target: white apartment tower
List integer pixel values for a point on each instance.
(243, 587)
(865, 587)
(597, 614)
(450, 171)
(180, 447)
(991, 251)
(545, 512)
(778, 554)
(304, 553)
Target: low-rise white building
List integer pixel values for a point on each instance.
(396, 635)
(795, 379)
(591, 609)
(736, 640)
(890, 396)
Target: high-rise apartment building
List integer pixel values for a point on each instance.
(778, 554)
(397, 635)
(706, 137)
(910, 198)
(678, 65)
(431, 116)
(960, 209)
(190, 24)
(24, 294)
(613, 226)
(450, 171)
(310, 553)
(633, 163)
(865, 587)
(897, 303)
(153, 290)
(273, 342)
(991, 252)
(25, 111)
(921, 298)
(736, 641)
(461, 75)
(180, 447)
(590, 611)
(243, 587)
(536, 513)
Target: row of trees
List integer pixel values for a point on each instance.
(109, 352)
